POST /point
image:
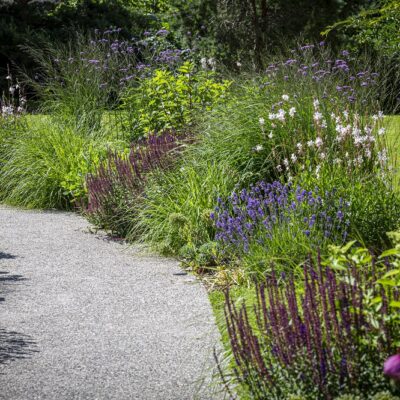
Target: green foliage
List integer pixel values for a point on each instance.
(168, 100)
(172, 215)
(377, 27)
(45, 165)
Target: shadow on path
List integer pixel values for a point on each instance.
(6, 256)
(14, 345)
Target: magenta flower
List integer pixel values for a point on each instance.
(391, 367)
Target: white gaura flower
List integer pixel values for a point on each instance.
(261, 121)
(286, 162)
(380, 115)
(203, 63)
(279, 168)
(382, 156)
(324, 124)
(346, 115)
(322, 156)
(292, 112)
(271, 116)
(317, 116)
(368, 153)
(337, 161)
(258, 148)
(367, 129)
(299, 147)
(381, 131)
(310, 143)
(271, 135)
(281, 115)
(285, 97)
(293, 157)
(319, 142)
(317, 170)
(316, 103)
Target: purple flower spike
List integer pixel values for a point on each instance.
(391, 367)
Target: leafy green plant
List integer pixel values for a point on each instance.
(377, 26)
(169, 100)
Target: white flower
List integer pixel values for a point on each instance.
(271, 135)
(367, 130)
(380, 114)
(238, 64)
(7, 110)
(279, 168)
(299, 147)
(382, 156)
(12, 89)
(8, 77)
(310, 143)
(20, 109)
(212, 63)
(285, 97)
(317, 169)
(324, 124)
(286, 162)
(346, 114)
(316, 103)
(203, 63)
(368, 153)
(322, 156)
(337, 161)
(293, 157)
(281, 115)
(381, 131)
(259, 147)
(271, 116)
(261, 121)
(319, 142)
(317, 116)
(292, 112)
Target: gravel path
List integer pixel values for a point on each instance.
(82, 317)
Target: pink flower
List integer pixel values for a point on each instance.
(391, 367)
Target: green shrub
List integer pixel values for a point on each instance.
(170, 100)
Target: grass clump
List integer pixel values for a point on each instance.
(46, 164)
(176, 205)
